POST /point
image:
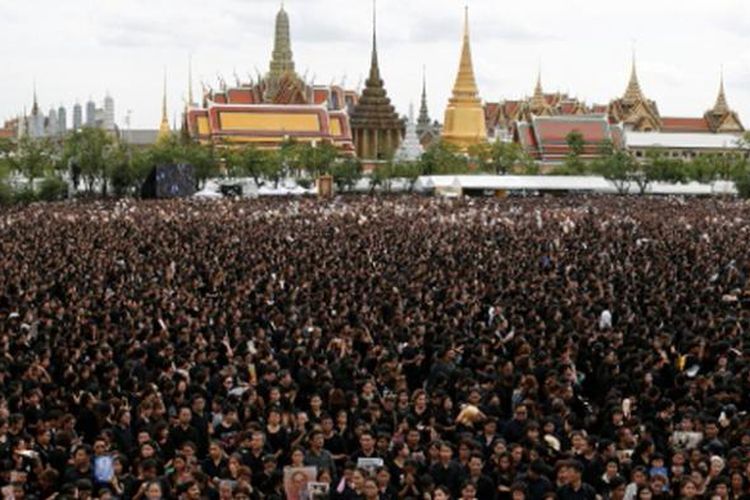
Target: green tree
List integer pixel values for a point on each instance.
(661, 168)
(316, 160)
(201, 158)
(275, 165)
(381, 177)
(742, 181)
(32, 158)
(574, 164)
(576, 143)
(6, 193)
(128, 169)
(88, 149)
(53, 188)
(247, 160)
(442, 158)
(6, 147)
(346, 173)
(618, 167)
(497, 157)
(409, 171)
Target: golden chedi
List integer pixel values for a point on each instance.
(465, 123)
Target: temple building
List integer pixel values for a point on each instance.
(274, 108)
(633, 109)
(640, 114)
(376, 126)
(427, 130)
(502, 116)
(465, 123)
(411, 148)
(545, 138)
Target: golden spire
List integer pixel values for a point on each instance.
(465, 88)
(164, 129)
(538, 101)
(465, 123)
(633, 92)
(190, 81)
(721, 107)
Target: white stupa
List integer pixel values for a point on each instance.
(410, 149)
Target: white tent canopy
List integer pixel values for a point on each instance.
(450, 184)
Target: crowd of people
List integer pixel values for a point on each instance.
(376, 348)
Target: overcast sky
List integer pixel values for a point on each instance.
(76, 49)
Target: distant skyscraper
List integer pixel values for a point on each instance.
(52, 128)
(91, 114)
(77, 116)
(109, 113)
(62, 120)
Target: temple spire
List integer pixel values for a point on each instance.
(164, 129)
(466, 85)
(191, 101)
(633, 92)
(424, 114)
(538, 101)
(376, 127)
(721, 107)
(374, 66)
(281, 60)
(464, 117)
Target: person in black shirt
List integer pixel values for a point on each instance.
(215, 465)
(575, 488)
(485, 486)
(183, 432)
(446, 471)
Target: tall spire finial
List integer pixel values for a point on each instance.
(374, 66)
(191, 101)
(538, 101)
(466, 85)
(164, 128)
(538, 88)
(424, 115)
(633, 91)
(466, 21)
(721, 106)
(281, 59)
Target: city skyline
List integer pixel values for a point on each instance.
(122, 47)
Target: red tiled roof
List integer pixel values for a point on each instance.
(320, 95)
(684, 124)
(6, 133)
(558, 130)
(546, 138)
(240, 96)
(490, 109)
(568, 107)
(510, 107)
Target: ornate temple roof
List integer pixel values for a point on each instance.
(374, 110)
(539, 101)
